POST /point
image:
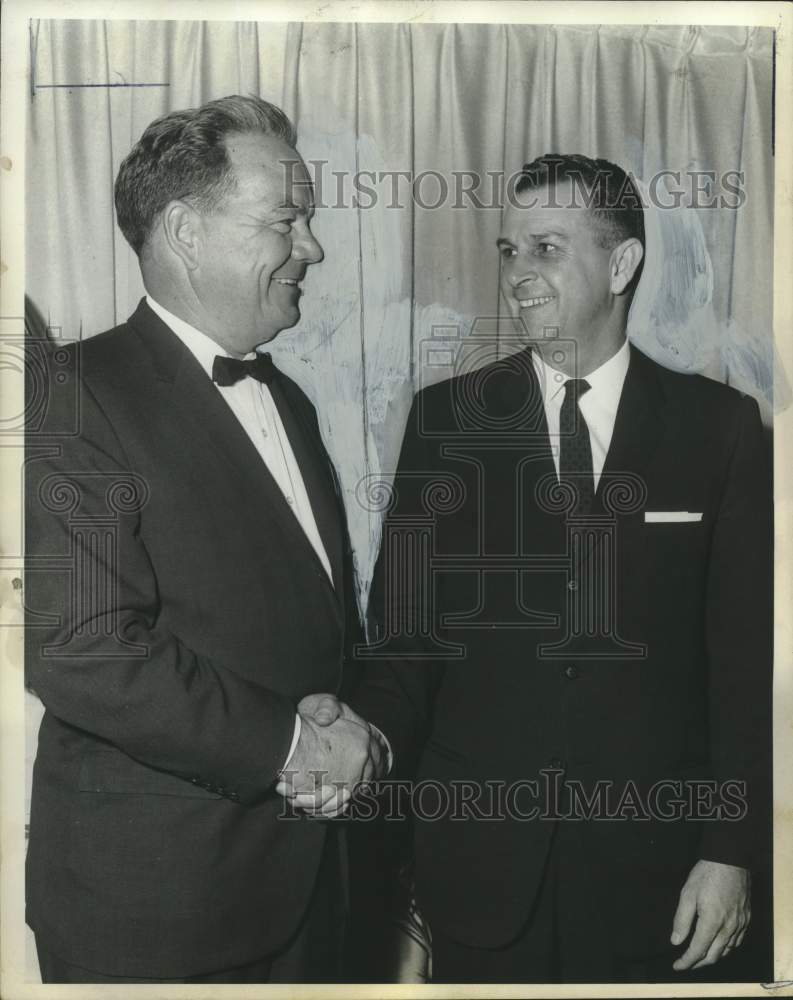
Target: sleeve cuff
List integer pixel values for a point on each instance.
(295, 738)
(387, 744)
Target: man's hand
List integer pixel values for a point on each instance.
(336, 751)
(719, 896)
(326, 708)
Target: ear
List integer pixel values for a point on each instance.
(181, 226)
(625, 258)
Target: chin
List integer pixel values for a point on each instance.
(269, 335)
(534, 332)
(288, 321)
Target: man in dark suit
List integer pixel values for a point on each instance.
(188, 589)
(574, 621)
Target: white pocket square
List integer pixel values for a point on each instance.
(670, 516)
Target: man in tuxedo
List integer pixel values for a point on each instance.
(573, 613)
(188, 589)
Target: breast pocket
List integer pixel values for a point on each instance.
(671, 541)
(112, 772)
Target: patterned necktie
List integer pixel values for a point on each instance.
(575, 450)
(228, 371)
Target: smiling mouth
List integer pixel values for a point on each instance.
(293, 282)
(539, 301)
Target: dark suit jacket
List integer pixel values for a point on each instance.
(680, 690)
(176, 614)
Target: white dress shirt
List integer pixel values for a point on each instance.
(252, 404)
(598, 404)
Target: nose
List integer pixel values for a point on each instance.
(307, 248)
(516, 274)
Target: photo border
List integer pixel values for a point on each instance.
(15, 89)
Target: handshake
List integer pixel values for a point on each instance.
(336, 753)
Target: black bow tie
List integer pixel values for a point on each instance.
(228, 371)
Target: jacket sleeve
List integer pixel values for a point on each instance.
(739, 629)
(97, 651)
(398, 678)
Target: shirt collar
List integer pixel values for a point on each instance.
(203, 348)
(605, 382)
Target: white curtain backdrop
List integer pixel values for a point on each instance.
(415, 98)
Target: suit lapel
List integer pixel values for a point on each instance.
(521, 394)
(639, 426)
(208, 417)
(317, 472)
(541, 527)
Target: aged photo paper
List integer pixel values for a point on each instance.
(411, 117)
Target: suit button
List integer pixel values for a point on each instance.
(572, 585)
(571, 671)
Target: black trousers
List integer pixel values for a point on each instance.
(312, 955)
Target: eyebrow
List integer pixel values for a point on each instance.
(502, 241)
(548, 236)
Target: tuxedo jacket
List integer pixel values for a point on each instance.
(528, 648)
(176, 614)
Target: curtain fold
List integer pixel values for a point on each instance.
(434, 107)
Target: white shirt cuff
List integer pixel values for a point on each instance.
(295, 738)
(389, 752)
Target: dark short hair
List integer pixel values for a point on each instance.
(610, 194)
(183, 155)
